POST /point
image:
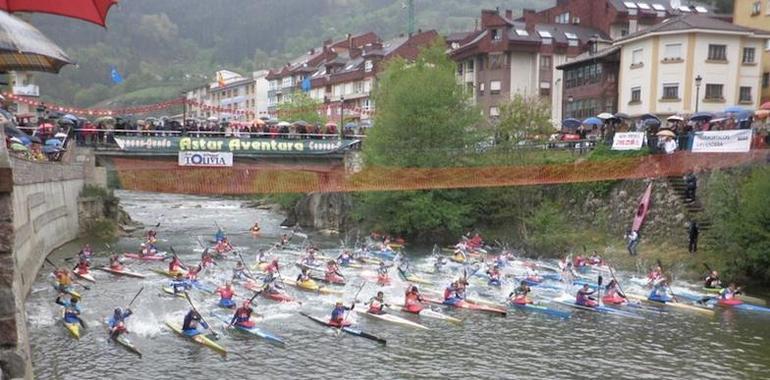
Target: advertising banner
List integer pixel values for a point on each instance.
(237, 146)
(207, 159)
(734, 141)
(628, 141)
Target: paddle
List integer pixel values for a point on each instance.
(250, 275)
(134, 299)
(187, 297)
(352, 305)
(171, 248)
(599, 290)
(612, 273)
(256, 294)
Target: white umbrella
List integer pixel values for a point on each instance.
(605, 116)
(284, 124)
(675, 118)
(212, 118)
(60, 134)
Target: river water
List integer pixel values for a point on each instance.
(676, 344)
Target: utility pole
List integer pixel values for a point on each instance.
(410, 17)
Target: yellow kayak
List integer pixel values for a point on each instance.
(457, 258)
(311, 286)
(166, 272)
(676, 305)
(170, 291)
(200, 338)
(411, 277)
(73, 328)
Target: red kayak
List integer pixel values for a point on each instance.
(641, 211)
(122, 272)
(279, 297)
(613, 300)
(730, 302)
(137, 256)
(470, 306)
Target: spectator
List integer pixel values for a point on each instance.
(693, 232)
(691, 184)
(632, 237)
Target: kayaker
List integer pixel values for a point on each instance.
(655, 276)
(729, 292)
(117, 323)
(309, 258)
(460, 256)
(63, 280)
(304, 276)
(85, 252)
(272, 267)
(226, 294)
(82, 267)
(494, 275)
(262, 256)
(179, 284)
(255, 228)
(338, 315)
(584, 297)
(344, 258)
(207, 260)
(152, 235)
(476, 242)
(579, 261)
(533, 275)
(271, 285)
(115, 263)
(712, 281)
(333, 271)
(501, 261)
(192, 272)
(439, 263)
(661, 292)
(71, 309)
(143, 250)
(239, 272)
(382, 273)
(612, 290)
(450, 292)
(284, 240)
(519, 295)
(595, 259)
(219, 236)
(175, 265)
(376, 304)
(413, 300)
(223, 246)
(191, 322)
(242, 315)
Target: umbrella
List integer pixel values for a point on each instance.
(698, 116)
(24, 48)
(272, 121)
(212, 118)
(593, 121)
(18, 147)
(53, 142)
(351, 126)
(94, 11)
(60, 135)
(605, 116)
(744, 116)
(259, 122)
(649, 116)
(301, 123)
(765, 106)
(651, 122)
(51, 149)
(66, 122)
(331, 124)
(762, 114)
(12, 131)
(70, 116)
(734, 109)
(621, 115)
(718, 120)
(284, 124)
(675, 118)
(571, 123)
(666, 132)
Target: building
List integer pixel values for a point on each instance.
(341, 75)
(23, 84)
(756, 14)
(505, 57)
(690, 63)
(259, 99)
(590, 82)
(232, 97)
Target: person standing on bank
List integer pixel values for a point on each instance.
(693, 232)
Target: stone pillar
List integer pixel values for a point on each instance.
(354, 161)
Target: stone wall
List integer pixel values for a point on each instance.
(328, 212)
(38, 213)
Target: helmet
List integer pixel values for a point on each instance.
(74, 298)
(118, 311)
(339, 303)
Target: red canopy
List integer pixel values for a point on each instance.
(94, 11)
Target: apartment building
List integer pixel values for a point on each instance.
(756, 14)
(231, 97)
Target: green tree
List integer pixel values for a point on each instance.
(423, 116)
(300, 106)
(524, 118)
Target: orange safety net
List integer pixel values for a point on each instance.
(158, 175)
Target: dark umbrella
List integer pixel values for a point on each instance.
(94, 11)
(649, 116)
(649, 122)
(701, 116)
(351, 126)
(301, 123)
(571, 123)
(24, 48)
(621, 115)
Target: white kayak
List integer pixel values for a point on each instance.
(393, 319)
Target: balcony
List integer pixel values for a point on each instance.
(28, 90)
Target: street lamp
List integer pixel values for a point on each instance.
(698, 80)
(342, 115)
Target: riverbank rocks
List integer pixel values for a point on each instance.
(324, 211)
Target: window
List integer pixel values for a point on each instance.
(495, 35)
(494, 87)
(545, 92)
(544, 34)
(562, 18)
(367, 104)
(714, 91)
(756, 8)
(494, 112)
(572, 39)
(481, 88)
(717, 53)
(659, 7)
(497, 61)
(522, 32)
(469, 66)
(636, 57)
(745, 95)
(672, 52)
(545, 62)
(748, 55)
(765, 80)
(368, 65)
(671, 91)
(636, 94)
(644, 6)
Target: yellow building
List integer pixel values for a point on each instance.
(756, 14)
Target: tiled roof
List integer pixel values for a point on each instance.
(694, 21)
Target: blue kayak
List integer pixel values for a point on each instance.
(541, 309)
(256, 331)
(226, 303)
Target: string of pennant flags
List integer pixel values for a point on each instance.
(151, 108)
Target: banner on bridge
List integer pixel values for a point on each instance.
(628, 141)
(237, 146)
(206, 159)
(734, 141)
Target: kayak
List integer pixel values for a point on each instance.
(644, 207)
(123, 340)
(745, 306)
(86, 276)
(67, 289)
(121, 272)
(393, 319)
(226, 303)
(280, 297)
(199, 338)
(464, 304)
(352, 265)
(170, 291)
(333, 279)
(570, 301)
(253, 330)
(311, 286)
(348, 329)
(540, 309)
(136, 256)
(428, 313)
(166, 273)
(204, 287)
(460, 259)
(678, 305)
(72, 327)
(411, 277)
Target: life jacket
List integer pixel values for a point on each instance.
(82, 267)
(243, 314)
(225, 293)
(448, 292)
(174, 265)
(338, 314)
(63, 279)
